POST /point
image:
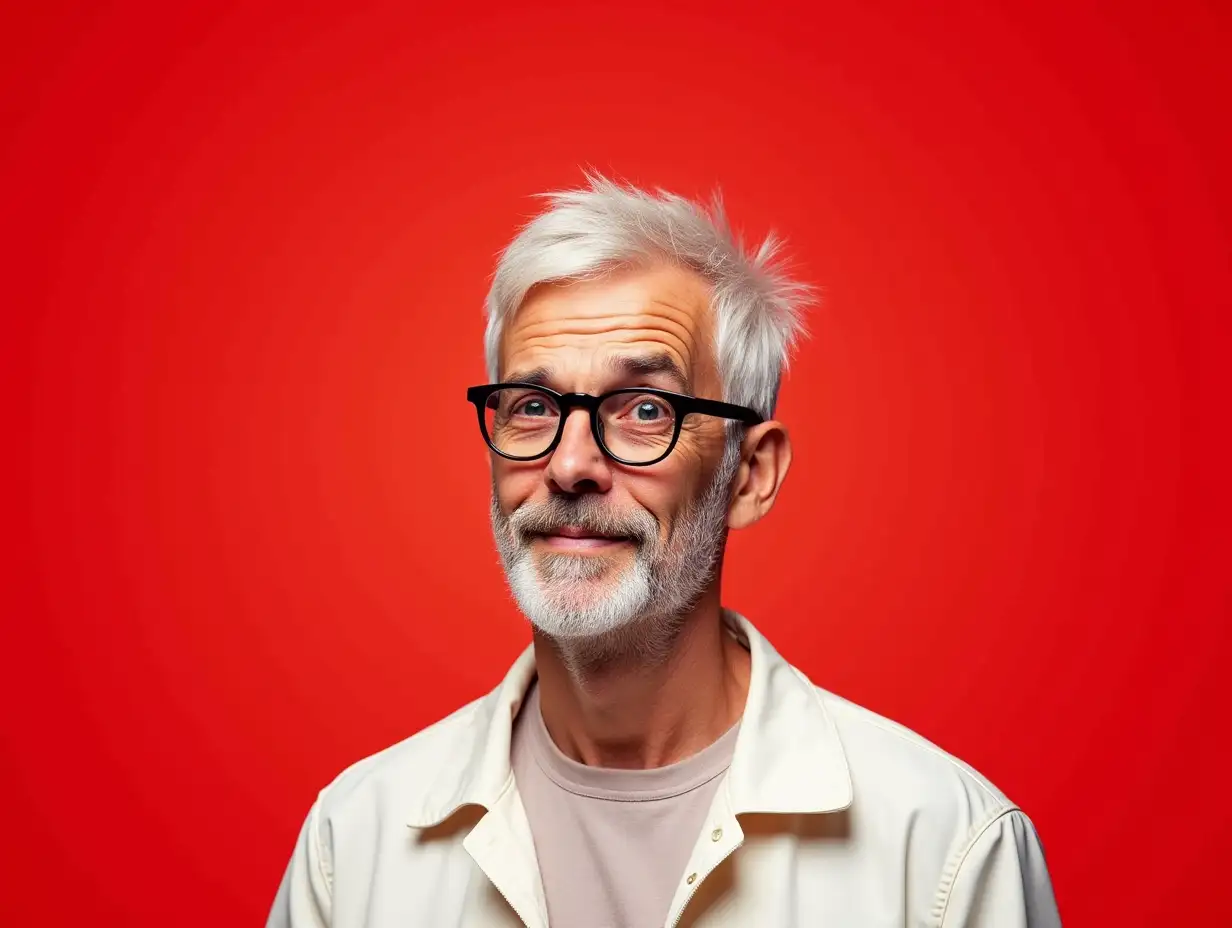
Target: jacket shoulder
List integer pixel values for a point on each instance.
(893, 767)
(391, 780)
(918, 804)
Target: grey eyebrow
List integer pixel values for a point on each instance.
(645, 365)
(539, 376)
(621, 366)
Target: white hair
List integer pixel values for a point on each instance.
(604, 225)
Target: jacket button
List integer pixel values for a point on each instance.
(716, 834)
(691, 878)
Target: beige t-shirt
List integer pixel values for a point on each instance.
(612, 844)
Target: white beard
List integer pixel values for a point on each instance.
(595, 609)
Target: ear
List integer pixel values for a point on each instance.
(765, 456)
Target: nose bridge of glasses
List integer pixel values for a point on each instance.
(572, 401)
(571, 404)
(577, 447)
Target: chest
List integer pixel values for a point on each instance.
(776, 872)
(609, 862)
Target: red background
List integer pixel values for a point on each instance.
(244, 255)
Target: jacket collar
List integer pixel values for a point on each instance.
(788, 758)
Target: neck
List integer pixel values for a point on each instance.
(635, 710)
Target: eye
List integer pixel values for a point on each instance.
(643, 409)
(532, 406)
(522, 404)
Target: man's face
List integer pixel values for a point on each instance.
(592, 546)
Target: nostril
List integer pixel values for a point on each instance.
(572, 488)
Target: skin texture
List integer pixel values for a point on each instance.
(627, 712)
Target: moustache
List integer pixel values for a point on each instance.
(586, 513)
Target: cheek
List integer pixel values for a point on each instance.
(664, 494)
(514, 483)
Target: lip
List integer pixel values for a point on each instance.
(571, 538)
(572, 531)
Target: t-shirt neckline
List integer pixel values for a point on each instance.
(620, 784)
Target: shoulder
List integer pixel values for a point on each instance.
(885, 757)
(968, 852)
(920, 805)
(358, 820)
(462, 759)
(905, 788)
(391, 784)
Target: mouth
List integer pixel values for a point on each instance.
(573, 538)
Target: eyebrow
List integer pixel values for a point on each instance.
(647, 365)
(539, 377)
(624, 366)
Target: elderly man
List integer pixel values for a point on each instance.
(650, 760)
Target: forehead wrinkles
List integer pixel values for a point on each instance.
(666, 307)
(537, 330)
(567, 319)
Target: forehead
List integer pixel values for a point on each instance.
(575, 329)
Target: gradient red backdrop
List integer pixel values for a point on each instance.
(245, 250)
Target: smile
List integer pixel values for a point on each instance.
(570, 538)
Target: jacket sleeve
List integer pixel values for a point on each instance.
(999, 879)
(304, 896)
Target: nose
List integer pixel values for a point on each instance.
(577, 465)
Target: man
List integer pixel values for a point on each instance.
(650, 760)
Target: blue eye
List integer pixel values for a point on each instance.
(647, 412)
(534, 408)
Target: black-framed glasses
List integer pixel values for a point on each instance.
(637, 426)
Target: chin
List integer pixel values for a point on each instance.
(576, 625)
(577, 575)
(583, 609)
(594, 594)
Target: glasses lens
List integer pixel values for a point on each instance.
(637, 427)
(521, 422)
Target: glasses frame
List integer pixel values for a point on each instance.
(681, 403)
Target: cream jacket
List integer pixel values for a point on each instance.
(828, 816)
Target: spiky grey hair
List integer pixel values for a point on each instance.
(604, 225)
